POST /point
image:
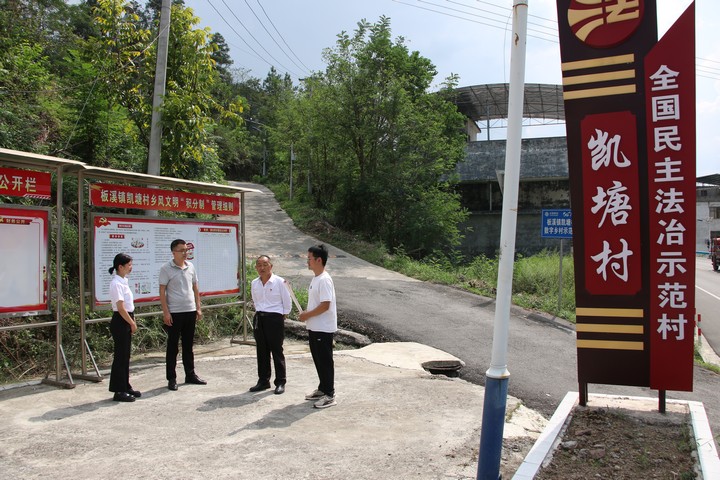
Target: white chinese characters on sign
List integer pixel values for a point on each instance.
(604, 150)
(17, 183)
(613, 201)
(616, 261)
(669, 202)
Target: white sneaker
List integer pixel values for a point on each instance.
(316, 395)
(325, 401)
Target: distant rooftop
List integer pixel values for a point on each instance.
(481, 103)
(713, 179)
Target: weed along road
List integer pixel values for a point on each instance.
(542, 352)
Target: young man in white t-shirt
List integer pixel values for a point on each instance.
(320, 318)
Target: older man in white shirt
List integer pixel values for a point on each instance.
(272, 303)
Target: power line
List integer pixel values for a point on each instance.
(510, 9)
(272, 37)
(282, 38)
(251, 35)
(471, 20)
(507, 13)
(504, 22)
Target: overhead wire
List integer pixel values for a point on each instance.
(504, 17)
(277, 62)
(505, 14)
(469, 19)
(272, 37)
(281, 37)
(553, 33)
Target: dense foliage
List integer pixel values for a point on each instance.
(373, 147)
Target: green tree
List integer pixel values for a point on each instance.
(32, 103)
(190, 112)
(379, 147)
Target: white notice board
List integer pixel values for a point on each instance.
(212, 248)
(24, 243)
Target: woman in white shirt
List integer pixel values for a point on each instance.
(122, 326)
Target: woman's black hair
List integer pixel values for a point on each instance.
(120, 259)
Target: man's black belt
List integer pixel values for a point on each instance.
(268, 314)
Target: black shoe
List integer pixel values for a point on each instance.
(280, 389)
(172, 385)
(260, 387)
(195, 380)
(123, 397)
(134, 393)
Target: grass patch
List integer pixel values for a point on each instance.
(535, 279)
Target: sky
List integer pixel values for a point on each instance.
(464, 37)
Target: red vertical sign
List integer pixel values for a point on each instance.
(602, 45)
(670, 103)
(630, 119)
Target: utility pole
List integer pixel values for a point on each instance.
(159, 90)
(292, 160)
(497, 376)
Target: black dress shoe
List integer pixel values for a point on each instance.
(195, 380)
(172, 385)
(123, 397)
(134, 393)
(280, 389)
(260, 387)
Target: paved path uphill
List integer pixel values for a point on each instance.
(541, 351)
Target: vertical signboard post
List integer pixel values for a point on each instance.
(557, 223)
(629, 107)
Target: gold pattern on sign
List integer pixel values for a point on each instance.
(609, 312)
(602, 15)
(599, 92)
(599, 77)
(596, 82)
(610, 345)
(598, 62)
(609, 328)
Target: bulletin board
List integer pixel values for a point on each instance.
(24, 243)
(212, 249)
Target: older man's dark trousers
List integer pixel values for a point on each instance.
(183, 327)
(269, 333)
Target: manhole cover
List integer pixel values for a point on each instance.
(449, 368)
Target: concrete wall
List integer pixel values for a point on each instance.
(543, 184)
(485, 235)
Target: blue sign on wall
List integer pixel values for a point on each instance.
(556, 223)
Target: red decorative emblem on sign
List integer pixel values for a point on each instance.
(604, 23)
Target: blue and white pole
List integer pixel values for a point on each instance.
(497, 376)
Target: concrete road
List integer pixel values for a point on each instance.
(542, 352)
